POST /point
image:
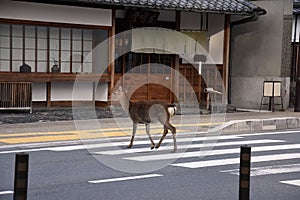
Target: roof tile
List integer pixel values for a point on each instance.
(220, 6)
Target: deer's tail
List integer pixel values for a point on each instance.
(172, 109)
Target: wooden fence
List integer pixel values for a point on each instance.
(16, 96)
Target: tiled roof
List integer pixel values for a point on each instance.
(220, 6)
(242, 7)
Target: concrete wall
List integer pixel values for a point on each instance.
(258, 53)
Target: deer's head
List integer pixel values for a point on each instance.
(119, 94)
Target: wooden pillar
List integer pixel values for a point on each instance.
(111, 53)
(94, 92)
(48, 90)
(226, 58)
(175, 78)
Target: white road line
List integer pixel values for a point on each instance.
(268, 170)
(125, 178)
(6, 192)
(59, 143)
(267, 133)
(211, 152)
(292, 182)
(138, 150)
(109, 143)
(23, 151)
(199, 152)
(204, 153)
(80, 147)
(102, 143)
(231, 161)
(43, 144)
(114, 144)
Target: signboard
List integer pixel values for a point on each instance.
(272, 89)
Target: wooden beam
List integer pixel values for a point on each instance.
(111, 53)
(53, 24)
(175, 77)
(51, 77)
(48, 100)
(226, 50)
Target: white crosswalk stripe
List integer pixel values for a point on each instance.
(6, 192)
(268, 170)
(107, 143)
(208, 144)
(137, 150)
(292, 182)
(213, 152)
(231, 161)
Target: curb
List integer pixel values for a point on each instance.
(249, 125)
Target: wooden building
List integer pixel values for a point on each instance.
(58, 39)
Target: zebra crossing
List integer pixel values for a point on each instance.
(192, 147)
(224, 153)
(197, 151)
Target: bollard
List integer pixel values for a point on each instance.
(21, 177)
(244, 193)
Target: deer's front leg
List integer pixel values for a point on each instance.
(134, 127)
(148, 133)
(162, 138)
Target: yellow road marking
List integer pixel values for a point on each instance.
(38, 139)
(31, 137)
(34, 134)
(65, 137)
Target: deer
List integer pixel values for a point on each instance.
(147, 112)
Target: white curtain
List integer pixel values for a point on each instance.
(165, 41)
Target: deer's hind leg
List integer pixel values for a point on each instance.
(148, 133)
(173, 130)
(134, 127)
(167, 127)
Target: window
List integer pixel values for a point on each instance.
(73, 50)
(5, 44)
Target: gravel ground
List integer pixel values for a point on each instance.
(81, 113)
(55, 114)
(69, 113)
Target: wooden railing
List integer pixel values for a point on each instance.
(16, 95)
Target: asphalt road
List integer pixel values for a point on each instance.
(71, 171)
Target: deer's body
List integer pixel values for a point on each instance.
(146, 112)
(139, 111)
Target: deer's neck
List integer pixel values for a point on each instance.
(124, 101)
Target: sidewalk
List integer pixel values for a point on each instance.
(58, 125)
(235, 122)
(260, 121)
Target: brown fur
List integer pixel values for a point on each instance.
(146, 112)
